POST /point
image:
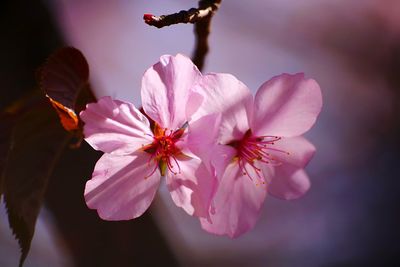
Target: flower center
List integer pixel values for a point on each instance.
(163, 149)
(251, 149)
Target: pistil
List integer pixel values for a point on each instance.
(163, 150)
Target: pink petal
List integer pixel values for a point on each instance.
(194, 102)
(296, 151)
(287, 105)
(193, 187)
(167, 88)
(203, 133)
(237, 204)
(114, 126)
(204, 143)
(118, 189)
(220, 157)
(289, 182)
(225, 94)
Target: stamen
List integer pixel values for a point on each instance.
(169, 165)
(152, 172)
(278, 150)
(163, 149)
(177, 164)
(255, 148)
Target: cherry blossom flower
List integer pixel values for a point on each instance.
(254, 145)
(137, 153)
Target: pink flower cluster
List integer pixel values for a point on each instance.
(220, 149)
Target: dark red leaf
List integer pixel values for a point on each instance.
(62, 77)
(6, 122)
(37, 141)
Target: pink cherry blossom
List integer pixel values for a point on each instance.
(254, 145)
(137, 153)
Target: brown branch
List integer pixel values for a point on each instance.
(206, 8)
(200, 16)
(202, 30)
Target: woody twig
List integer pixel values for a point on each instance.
(200, 16)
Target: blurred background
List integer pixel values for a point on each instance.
(350, 217)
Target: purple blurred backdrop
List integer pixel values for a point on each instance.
(352, 48)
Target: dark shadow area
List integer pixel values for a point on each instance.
(29, 36)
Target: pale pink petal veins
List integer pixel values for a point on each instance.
(203, 133)
(289, 182)
(296, 151)
(194, 102)
(121, 188)
(167, 88)
(202, 141)
(114, 126)
(287, 105)
(225, 94)
(193, 187)
(237, 203)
